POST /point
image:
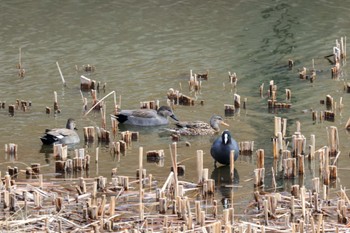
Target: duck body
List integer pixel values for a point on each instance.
(146, 117)
(222, 147)
(193, 128)
(66, 136)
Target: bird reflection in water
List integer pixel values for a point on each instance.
(225, 184)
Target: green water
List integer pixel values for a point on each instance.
(142, 48)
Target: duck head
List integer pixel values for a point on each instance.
(165, 111)
(216, 121)
(71, 124)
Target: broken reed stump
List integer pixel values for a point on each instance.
(89, 134)
(176, 97)
(47, 110)
(11, 149)
(232, 164)
(87, 84)
(329, 102)
(155, 155)
(324, 164)
(153, 104)
(21, 70)
(55, 103)
(233, 79)
(88, 68)
(203, 76)
(180, 169)
(333, 138)
(128, 136)
(35, 168)
(300, 159)
(347, 87)
(259, 174)
(199, 156)
(312, 146)
(280, 126)
(290, 170)
(103, 135)
(96, 104)
(115, 148)
(237, 100)
(288, 95)
(347, 125)
(81, 162)
(11, 110)
(335, 71)
(12, 171)
(290, 64)
(339, 56)
(272, 94)
(246, 147)
(298, 144)
(261, 90)
(311, 75)
(60, 151)
(327, 115)
(260, 158)
(272, 104)
(229, 109)
(303, 73)
(272, 90)
(114, 123)
(23, 105)
(280, 129)
(194, 83)
(245, 103)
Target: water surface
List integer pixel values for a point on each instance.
(142, 48)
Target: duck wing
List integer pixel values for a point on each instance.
(129, 115)
(52, 136)
(144, 113)
(59, 133)
(193, 128)
(193, 124)
(63, 136)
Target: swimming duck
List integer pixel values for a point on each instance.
(222, 147)
(146, 117)
(193, 128)
(64, 136)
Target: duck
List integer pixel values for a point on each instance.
(66, 136)
(193, 128)
(146, 117)
(222, 147)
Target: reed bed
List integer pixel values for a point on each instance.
(143, 204)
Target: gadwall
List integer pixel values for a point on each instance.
(145, 117)
(193, 128)
(222, 147)
(64, 136)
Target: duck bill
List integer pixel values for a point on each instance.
(174, 117)
(224, 123)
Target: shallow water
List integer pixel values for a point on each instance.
(142, 48)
